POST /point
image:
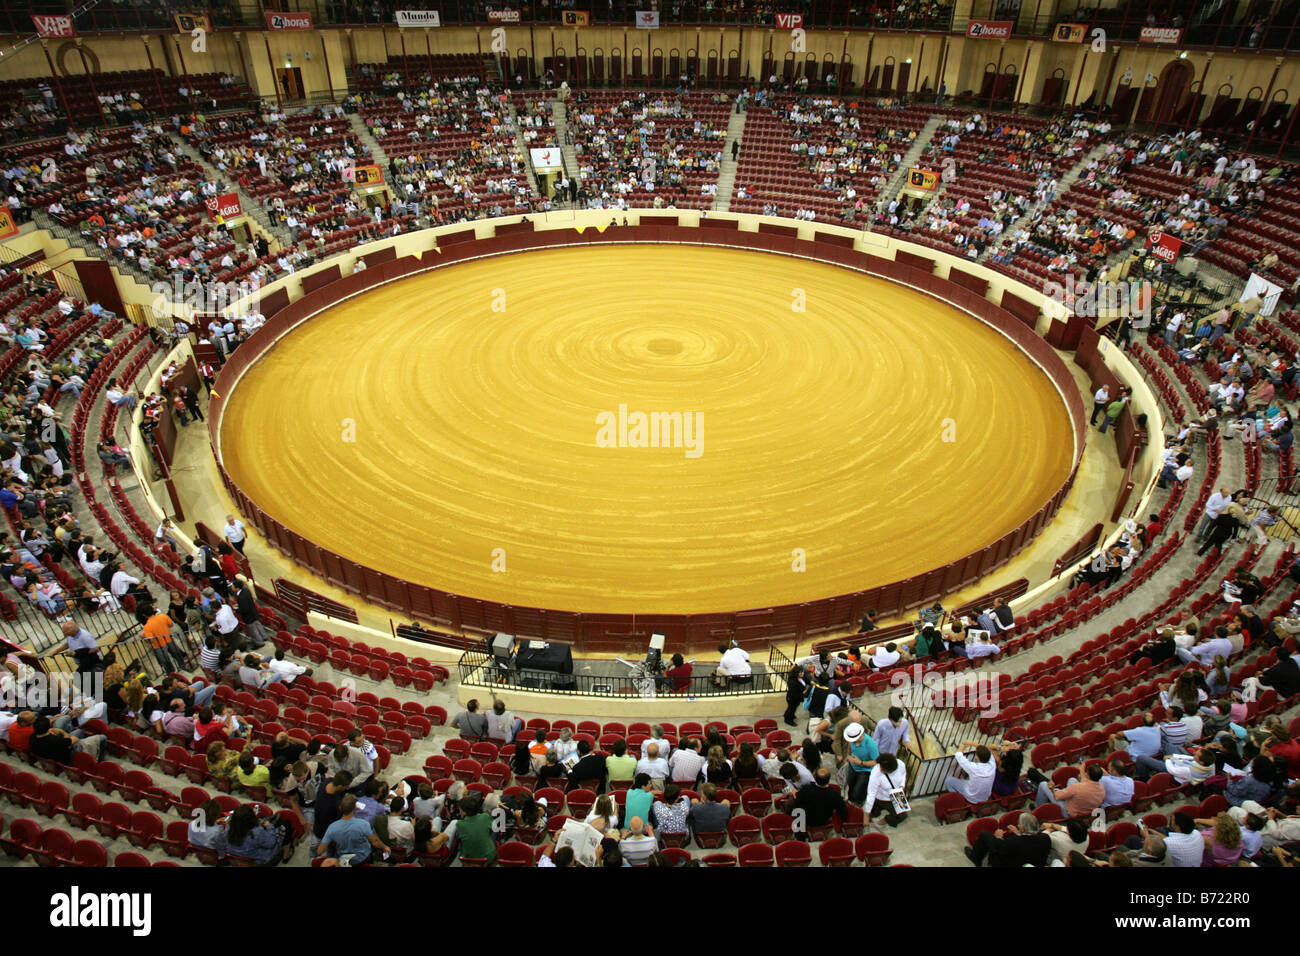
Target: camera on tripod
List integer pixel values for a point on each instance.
(654, 656)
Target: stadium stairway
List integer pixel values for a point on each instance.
(560, 116)
(1068, 180)
(252, 208)
(896, 181)
(727, 172)
(364, 136)
(522, 146)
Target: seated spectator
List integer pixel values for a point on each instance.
(1079, 797)
(265, 841)
(638, 842)
(349, 840)
(1020, 845)
(670, 815)
(977, 785)
(708, 814)
(252, 774)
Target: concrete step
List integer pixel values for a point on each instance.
(727, 171)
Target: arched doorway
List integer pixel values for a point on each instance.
(1172, 89)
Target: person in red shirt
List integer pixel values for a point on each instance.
(20, 733)
(1284, 746)
(679, 674)
(229, 563)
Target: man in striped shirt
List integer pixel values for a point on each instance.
(638, 843)
(1173, 733)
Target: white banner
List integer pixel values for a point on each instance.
(547, 160)
(647, 19)
(1260, 288)
(417, 18)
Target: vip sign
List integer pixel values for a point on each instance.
(789, 21)
(577, 18)
(368, 175)
(7, 225)
(224, 207)
(58, 25)
(288, 21)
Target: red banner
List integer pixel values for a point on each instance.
(990, 29)
(1164, 246)
(224, 207)
(1160, 35)
(54, 25)
(288, 21)
(789, 21)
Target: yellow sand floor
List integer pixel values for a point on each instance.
(447, 429)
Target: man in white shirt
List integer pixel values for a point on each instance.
(686, 763)
(1214, 506)
(286, 670)
(235, 534)
(885, 655)
(1100, 399)
(733, 667)
(225, 620)
(979, 775)
(1184, 846)
(117, 397)
(121, 582)
(1205, 652)
(655, 766)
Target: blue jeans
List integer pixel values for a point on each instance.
(203, 693)
(170, 657)
(1106, 423)
(1044, 795)
(1150, 765)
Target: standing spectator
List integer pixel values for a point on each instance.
(235, 533)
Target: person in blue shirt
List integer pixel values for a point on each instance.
(1118, 784)
(1142, 741)
(862, 756)
(263, 841)
(349, 836)
(639, 799)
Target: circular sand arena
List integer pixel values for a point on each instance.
(647, 429)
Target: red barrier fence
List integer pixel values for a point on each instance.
(593, 632)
